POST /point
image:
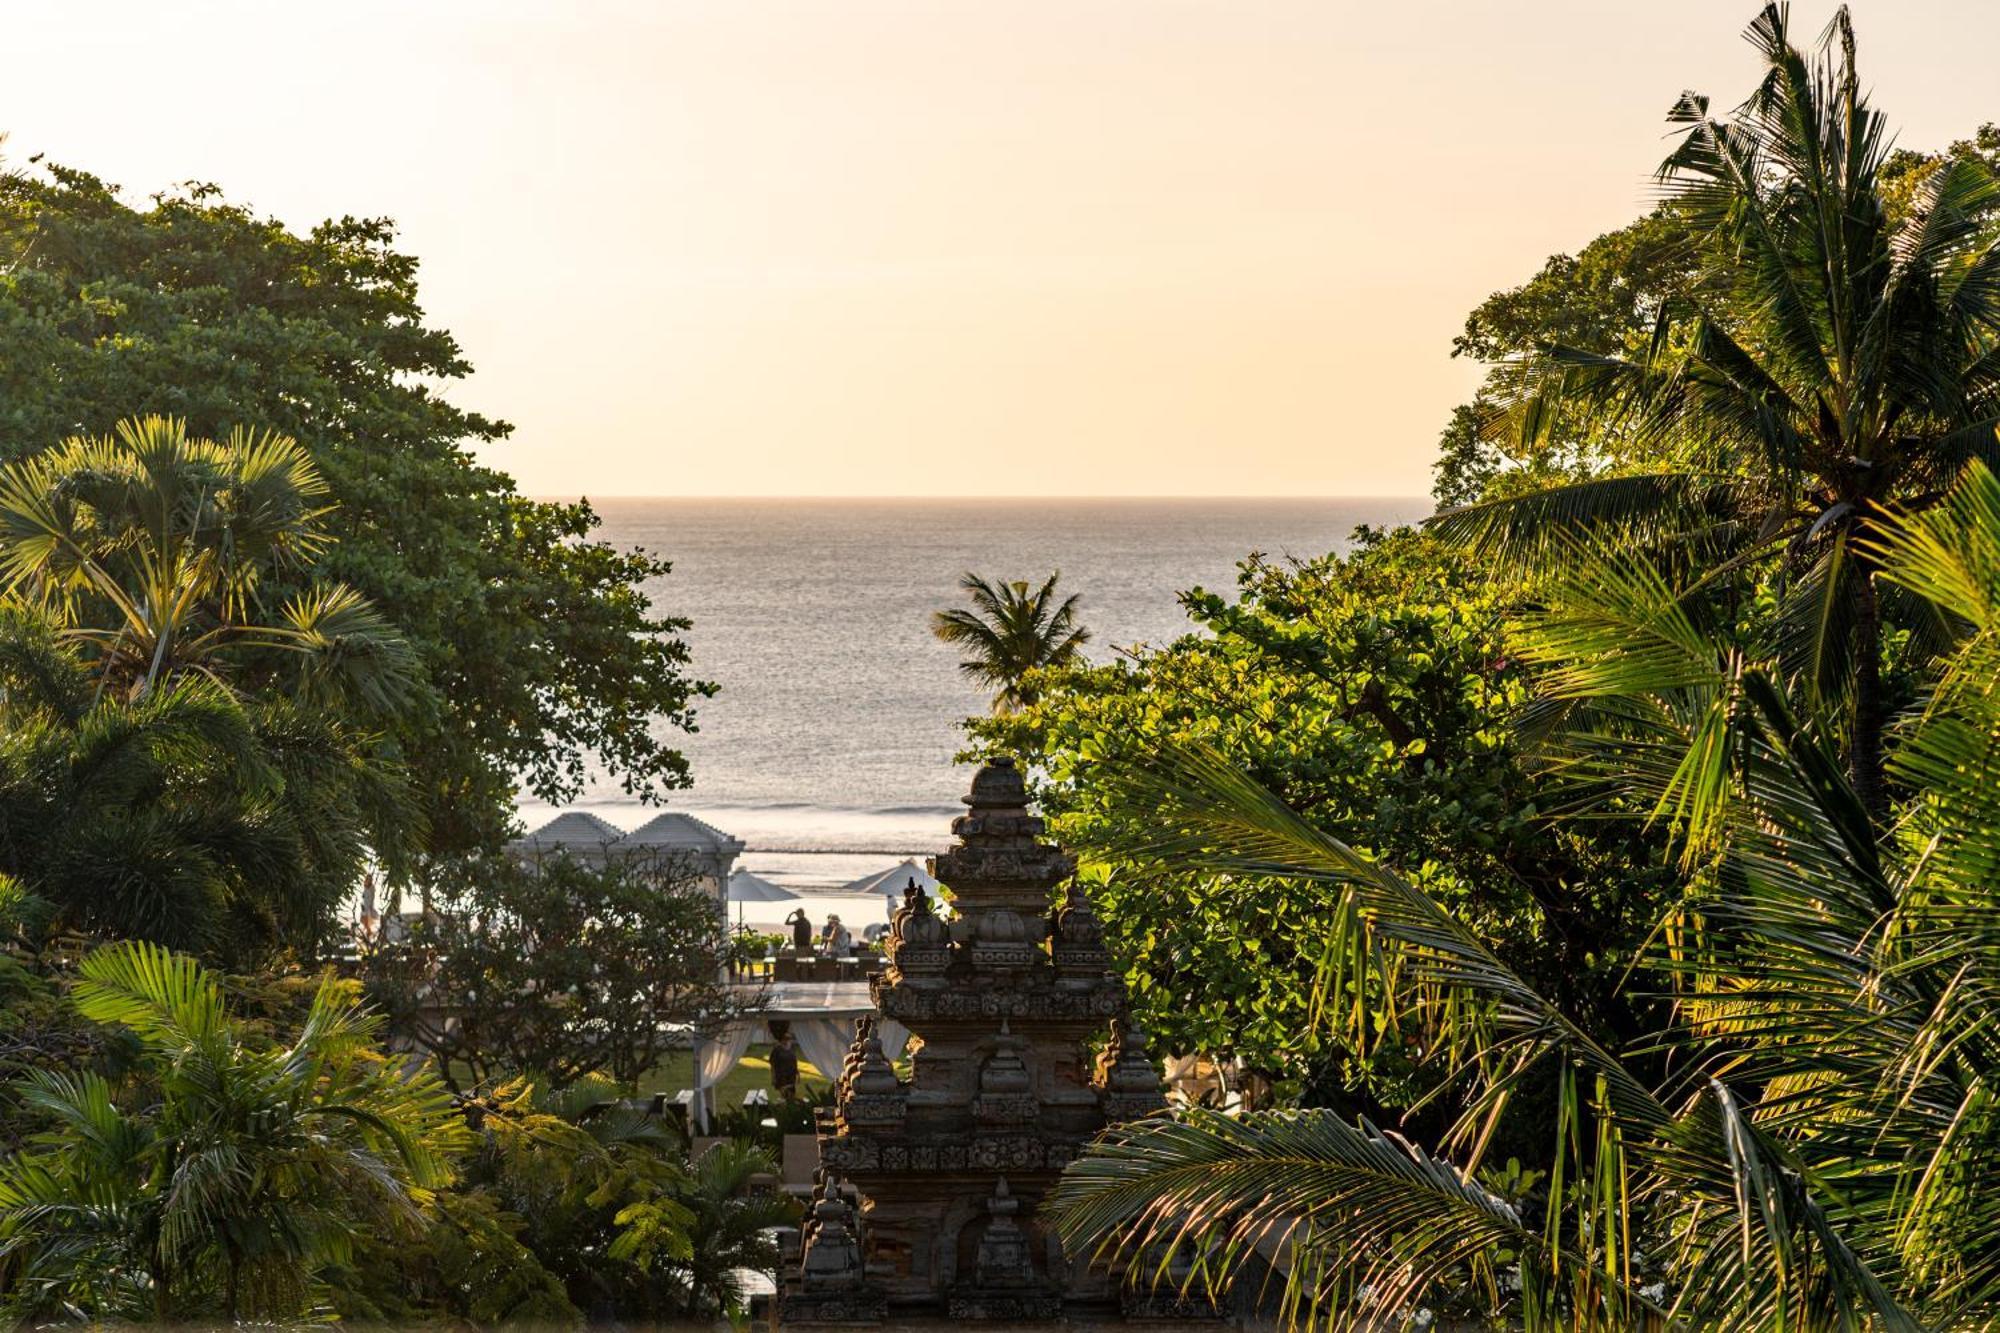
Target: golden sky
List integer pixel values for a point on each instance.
(1026, 246)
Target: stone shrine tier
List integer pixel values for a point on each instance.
(1023, 1051)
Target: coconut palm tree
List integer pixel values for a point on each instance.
(1834, 357)
(225, 1179)
(1011, 630)
(155, 551)
(1814, 1156)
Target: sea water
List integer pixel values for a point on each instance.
(829, 749)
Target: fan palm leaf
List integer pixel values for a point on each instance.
(151, 548)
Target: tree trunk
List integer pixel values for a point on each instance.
(1864, 758)
(163, 1301)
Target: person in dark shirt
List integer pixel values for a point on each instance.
(785, 1068)
(802, 931)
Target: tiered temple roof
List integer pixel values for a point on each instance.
(930, 1186)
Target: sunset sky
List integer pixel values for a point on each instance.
(1064, 247)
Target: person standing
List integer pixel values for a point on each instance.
(785, 1067)
(802, 931)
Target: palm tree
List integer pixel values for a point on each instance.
(614, 1209)
(1835, 356)
(1011, 631)
(230, 1175)
(154, 550)
(188, 816)
(732, 1227)
(1816, 1154)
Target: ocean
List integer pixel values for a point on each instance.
(829, 748)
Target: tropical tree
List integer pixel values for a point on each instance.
(540, 655)
(557, 969)
(1835, 349)
(226, 1177)
(1011, 630)
(596, 1185)
(731, 1229)
(151, 551)
(1607, 298)
(576, 1203)
(1814, 1156)
(1374, 692)
(189, 816)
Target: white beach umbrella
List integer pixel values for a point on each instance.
(745, 887)
(892, 882)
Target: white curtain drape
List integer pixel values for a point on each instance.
(714, 1057)
(894, 1037)
(824, 1042)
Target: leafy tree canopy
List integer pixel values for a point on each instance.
(1374, 693)
(1812, 1153)
(577, 1206)
(1836, 355)
(556, 969)
(1609, 298)
(536, 653)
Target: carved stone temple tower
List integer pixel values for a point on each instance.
(1005, 1003)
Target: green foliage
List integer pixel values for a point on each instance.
(1467, 464)
(1607, 298)
(183, 763)
(1905, 170)
(224, 1179)
(730, 1230)
(1838, 353)
(1814, 1156)
(1011, 631)
(1375, 694)
(556, 968)
(150, 550)
(38, 1030)
(534, 650)
(579, 1206)
(281, 1168)
(189, 816)
(1610, 298)
(470, 1264)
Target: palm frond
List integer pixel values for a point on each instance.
(1360, 1224)
(161, 995)
(1645, 509)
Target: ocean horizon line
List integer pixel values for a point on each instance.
(994, 499)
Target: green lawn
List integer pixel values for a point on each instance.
(677, 1072)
